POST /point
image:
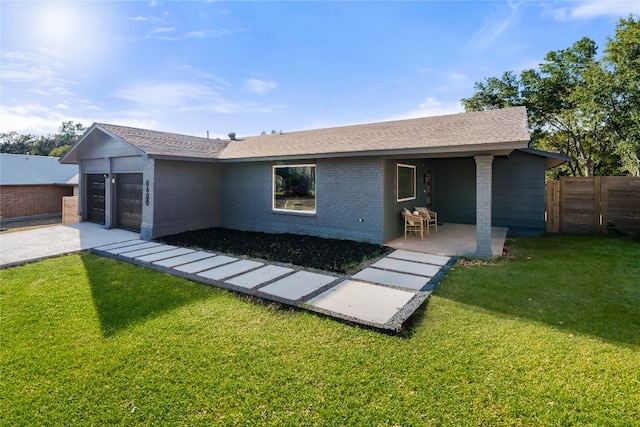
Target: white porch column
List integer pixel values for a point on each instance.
(484, 166)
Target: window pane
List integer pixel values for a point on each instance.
(406, 182)
(294, 188)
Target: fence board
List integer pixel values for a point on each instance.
(593, 205)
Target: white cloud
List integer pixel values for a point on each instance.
(595, 8)
(63, 106)
(494, 26)
(165, 95)
(258, 86)
(162, 30)
(430, 107)
(32, 119)
(22, 66)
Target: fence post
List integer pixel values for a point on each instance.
(597, 208)
(553, 206)
(604, 202)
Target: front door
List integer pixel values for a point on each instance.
(129, 201)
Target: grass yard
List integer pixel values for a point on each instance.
(551, 337)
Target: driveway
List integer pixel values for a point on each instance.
(20, 247)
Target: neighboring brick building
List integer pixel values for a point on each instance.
(33, 186)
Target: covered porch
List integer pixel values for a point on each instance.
(451, 240)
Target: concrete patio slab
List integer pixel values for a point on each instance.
(297, 285)
(371, 303)
(147, 251)
(164, 255)
(451, 240)
(257, 277)
(392, 278)
(231, 269)
(184, 259)
(420, 269)
(420, 257)
(130, 248)
(206, 264)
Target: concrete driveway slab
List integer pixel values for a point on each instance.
(297, 285)
(21, 247)
(371, 303)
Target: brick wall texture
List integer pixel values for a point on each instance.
(28, 200)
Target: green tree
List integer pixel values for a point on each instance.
(622, 56)
(45, 145)
(574, 101)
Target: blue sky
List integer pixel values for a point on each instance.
(192, 67)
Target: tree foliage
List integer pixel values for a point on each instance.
(579, 104)
(45, 145)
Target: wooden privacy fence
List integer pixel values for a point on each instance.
(600, 204)
(70, 209)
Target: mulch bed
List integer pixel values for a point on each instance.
(341, 256)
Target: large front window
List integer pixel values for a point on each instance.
(294, 188)
(406, 179)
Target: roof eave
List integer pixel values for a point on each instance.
(496, 149)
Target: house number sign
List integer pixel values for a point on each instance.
(146, 197)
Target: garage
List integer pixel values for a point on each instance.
(95, 198)
(129, 201)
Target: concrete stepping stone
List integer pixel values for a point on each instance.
(231, 269)
(418, 268)
(184, 259)
(121, 244)
(205, 264)
(129, 248)
(420, 257)
(259, 276)
(364, 301)
(297, 285)
(163, 255)
(392, 278)
(148, 251)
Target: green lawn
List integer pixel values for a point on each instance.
(549, 338)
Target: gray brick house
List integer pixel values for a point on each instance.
(346, 182)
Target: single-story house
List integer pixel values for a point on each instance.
(33, 186)
(346, 182)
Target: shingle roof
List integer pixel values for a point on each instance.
(22, 169)
(504, 129)
(442, 132)
(155, 143)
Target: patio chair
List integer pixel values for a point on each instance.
(412, 224)
(430, 218)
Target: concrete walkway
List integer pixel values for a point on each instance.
(382, 295)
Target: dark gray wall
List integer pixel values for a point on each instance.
(393, 221)
(519, 191)
(518, 195)
(454, 190)
(347, 191)
(186, 196)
